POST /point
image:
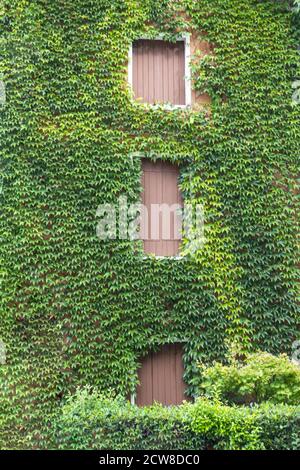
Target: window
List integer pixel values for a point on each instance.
(161, 377)
(161, 217)
(159, 71)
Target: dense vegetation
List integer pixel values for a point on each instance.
(90, 421)
(261, 377)
(77, 311)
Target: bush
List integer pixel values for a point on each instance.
(89, 420)
(280, 425)
(262, 377)
(226, 427)
(261, 427)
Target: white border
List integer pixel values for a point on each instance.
(186, 38)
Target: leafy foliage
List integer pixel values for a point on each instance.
(296, 19)
(280, 425)
(262, 377)
(226, 427)
(89, 420)
(78, 311)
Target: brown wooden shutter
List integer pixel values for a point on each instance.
(160, 183)
(161, 377)
(158, 71)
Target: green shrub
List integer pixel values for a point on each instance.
(280, 425)
(261, 427)
(263, 377)
(226, 427)
(89, 420)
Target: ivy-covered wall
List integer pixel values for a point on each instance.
(76, 310)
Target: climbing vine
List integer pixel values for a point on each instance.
(76, 310)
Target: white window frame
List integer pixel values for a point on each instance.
(186, 38)
(133, 399)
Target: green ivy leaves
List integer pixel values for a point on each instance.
(77, 311)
